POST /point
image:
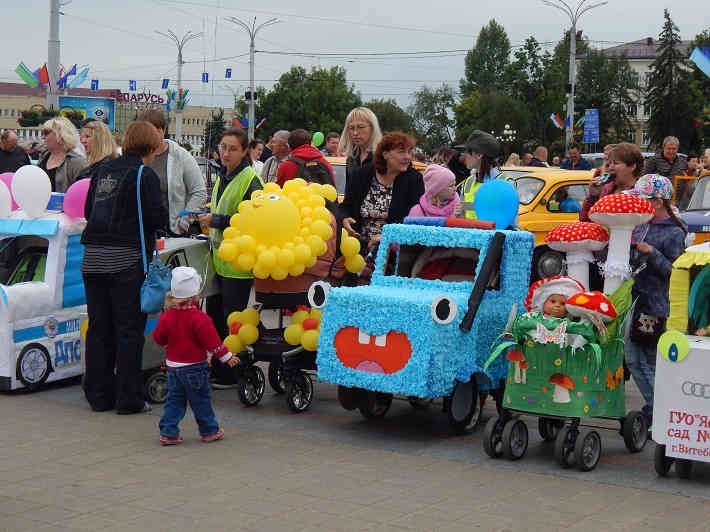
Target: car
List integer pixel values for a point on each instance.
(548, 197)
(338, 164)
(697, 214)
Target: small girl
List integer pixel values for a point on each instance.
(189, 335)
(440, 197)
(657, 244)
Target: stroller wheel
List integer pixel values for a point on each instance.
(276, 377)
(635, 431)
(587, 450)
(661, 462)
(374, 405)
(299, 392)
(564, 446)
(493, 437)
(251, 386)
(156, 388)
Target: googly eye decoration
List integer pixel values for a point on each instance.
(443, 310)
(273, 197)
(673, 346)
(318, 294)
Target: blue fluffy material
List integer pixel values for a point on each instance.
(441, 354)
(438, 221)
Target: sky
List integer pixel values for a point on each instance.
(118, 40)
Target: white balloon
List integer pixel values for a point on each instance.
(5, 201)
(31, 189)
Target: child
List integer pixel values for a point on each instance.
(657, 243)
(440, 197)
(549, 295)
(188, 334)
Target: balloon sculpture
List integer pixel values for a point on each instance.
(350, 248)
(31, 189)
(317, 139)
(7, 179)
(279, 232)
(304, 328)
(5, 201)
(243, 330)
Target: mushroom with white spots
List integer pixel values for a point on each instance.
(563, 384)
(578, 240)
(516, 357)
(593, 306)
(524, 368)
(620, 213)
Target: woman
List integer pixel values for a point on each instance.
(479, 156)
(384, 192)
(99, 146)
(625, 164)
(256, 148)
(62, 164)
(361, 135)
(513, 160)
(113, 272)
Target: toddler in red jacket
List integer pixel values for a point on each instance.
(189, 337)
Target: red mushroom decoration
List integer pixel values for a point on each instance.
(620, 213)
(524, 367)
(516, 357)
(563, 384)
(578, 240)
(591, 305)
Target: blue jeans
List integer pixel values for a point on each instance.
(189, 384)
(641, 359)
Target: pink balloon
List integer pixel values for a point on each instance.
(75, 198)
(7, 179)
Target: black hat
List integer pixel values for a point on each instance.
(481, 142)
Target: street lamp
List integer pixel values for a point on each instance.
(574, 16)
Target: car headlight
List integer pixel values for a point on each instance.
(443, 310)
(318, 294)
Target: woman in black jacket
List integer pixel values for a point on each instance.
(383, 193)
(113, 273)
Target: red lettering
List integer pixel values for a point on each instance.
(703, 436)
(704, 421)
(673, 414)
(681, 434)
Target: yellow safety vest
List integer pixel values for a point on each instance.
(470, 187)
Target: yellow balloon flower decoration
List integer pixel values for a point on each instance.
(243, 330)
(304, 329)
(350, 248)
(279, 231)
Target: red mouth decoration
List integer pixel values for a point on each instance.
(387, 353)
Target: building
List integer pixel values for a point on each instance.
(640, 55)
(18, 97)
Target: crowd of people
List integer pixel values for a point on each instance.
(382, 187)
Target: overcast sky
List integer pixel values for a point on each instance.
(117, 38)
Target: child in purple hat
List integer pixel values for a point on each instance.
(440, 197)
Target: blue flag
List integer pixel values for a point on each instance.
(166, 81)
(701, 58)
(131, 84)
(228, 73)
(94, 84)
(205, 77)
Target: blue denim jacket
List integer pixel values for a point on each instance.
(652, 282)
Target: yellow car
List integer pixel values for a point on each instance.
(548, 197)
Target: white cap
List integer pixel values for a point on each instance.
(185, 283)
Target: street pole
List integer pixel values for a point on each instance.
(252, 31)
(180, 43)
(53, 52)
(574, 16)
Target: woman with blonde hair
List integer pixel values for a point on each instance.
(99, 145)
(513, 160)
(62, 164)
(360, 137)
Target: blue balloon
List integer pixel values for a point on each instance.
(497, 201)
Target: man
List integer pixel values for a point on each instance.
(556, 161)
(694, 166)
(574, 161)
(299, 140)
(181, 183)
(667, 163)
(280, 150)
(526, 159)
(12, 156)
(539, 158)
(332, 140)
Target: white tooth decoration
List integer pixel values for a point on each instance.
(381, 340)
(363, 338)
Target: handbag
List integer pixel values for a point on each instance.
(646, 329)
(157, 274)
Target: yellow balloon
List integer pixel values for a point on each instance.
(293, 196)
(285, 258)
(306, 212)
(260, 272)
(257, 194)
(289, 245)
(274, 222)
(316, 201)
(309, 340)
(244, 206)
(298, 239)
(267, 260)
(301, 203)
(248, 334)
(304, 233)
(245, 262)
(323, 248)
(321, 213)
(292, 333)
(315, 188)
(234, 221)
(349, 246)
(306, 222)
(290, 187)
(311, 261)
(259, 249)
(354, 264)
(329, 192)
(227, 251)
(300, 182)
(230, 233)
(250, 316)
(279, 273)
(315, 314)
(272, 187)
(297, 269)
(301, 253)
(314, 242)
(234, 317)
(299, 316)
(322, 229)
(246, 244)
(234, 344)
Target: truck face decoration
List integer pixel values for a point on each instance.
(386, 353)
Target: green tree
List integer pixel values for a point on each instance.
(432, 116)
(213, 131)
(486, 63)
(318, 100)
(701, 83)
(390, 115)
(671, 97)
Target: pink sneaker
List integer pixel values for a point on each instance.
(213, 437)
(166, 440)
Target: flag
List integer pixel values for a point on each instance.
(260, 123)
(26, 75)
(701, 58)
(205, 77)
(94, 84)
(580, 122)
(566, 122)
(131, 84)
(79, 78)
(228, 73)
(245, 122)
(557, 121)
(236, 123)
(43, 75)
(166, 81)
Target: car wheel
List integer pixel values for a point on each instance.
(547, 263)
(374, 405)
(33, 366)
(156, 388)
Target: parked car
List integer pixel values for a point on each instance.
(697, 215)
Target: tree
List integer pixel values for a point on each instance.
(670, 95)
(318, 100)
(187, 146)
(701, 83)
(213, 131)
(431, 116)
(486, 63)
(390, 115)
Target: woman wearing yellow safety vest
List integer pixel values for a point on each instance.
(479, 154)
(236, 182)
